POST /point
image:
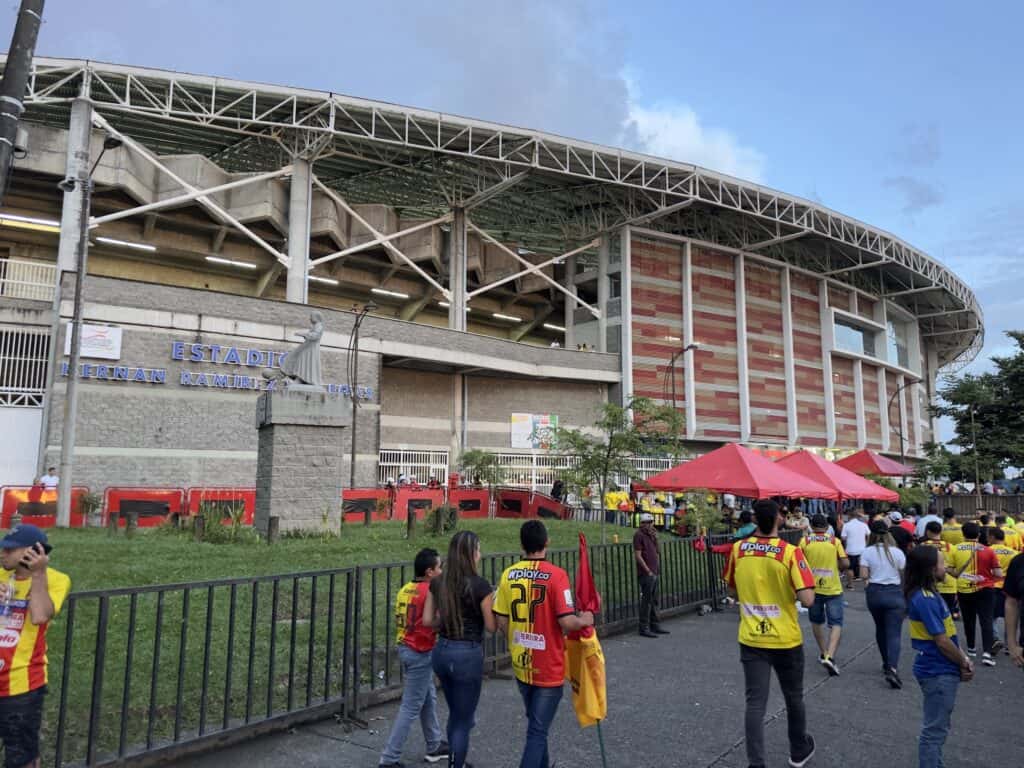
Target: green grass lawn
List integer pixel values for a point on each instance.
(96, 560)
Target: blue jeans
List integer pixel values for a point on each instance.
(939, 695)
(419, 701)
(888, 609)
(460, 666)
(541, 707)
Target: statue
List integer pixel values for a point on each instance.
(302, 364)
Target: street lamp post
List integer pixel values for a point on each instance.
(672, 367)
(899, 428)
(67, 442)
(353, 384)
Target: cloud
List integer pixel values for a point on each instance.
(918, 194)
(921, 146)
(673, 130)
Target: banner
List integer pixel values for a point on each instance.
(531, 430)
(96, 341)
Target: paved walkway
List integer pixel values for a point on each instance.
(678, 701)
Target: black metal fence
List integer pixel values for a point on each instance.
(147, 674)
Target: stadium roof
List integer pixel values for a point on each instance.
(546, 192)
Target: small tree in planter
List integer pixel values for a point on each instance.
(90, 505)
(443, 519)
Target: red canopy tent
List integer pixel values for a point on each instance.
(847, 484)
(870, 463)
(735, 469)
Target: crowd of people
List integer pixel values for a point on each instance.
(930, 570)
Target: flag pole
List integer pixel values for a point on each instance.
(600, 740)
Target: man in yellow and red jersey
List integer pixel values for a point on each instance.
(534, 606)
(946, 587)
(1004, 554)
(768, 576)
(415, 642)
(952, 531)
(826, 558)
(976, 569)
(31, 593)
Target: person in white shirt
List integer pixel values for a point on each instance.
(50, 480)
(923, 521)
(882, 566)
(855, 540)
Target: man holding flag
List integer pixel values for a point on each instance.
(534, 605)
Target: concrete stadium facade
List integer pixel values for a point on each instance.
(229, 208)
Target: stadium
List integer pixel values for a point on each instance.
(513, 278)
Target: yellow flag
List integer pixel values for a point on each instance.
(584, 669)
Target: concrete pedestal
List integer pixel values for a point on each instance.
(299, 461)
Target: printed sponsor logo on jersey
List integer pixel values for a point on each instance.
(760, 548)
(822, 572)
(9, 638)
(763, 610)
(568, 598)
(530, 640)
(528, 573)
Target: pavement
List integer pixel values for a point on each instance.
(678, 701)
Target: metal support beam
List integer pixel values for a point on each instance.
(149, 226)
(218, 240)
(219, 212)
(777, 240)
(388, 246)
(569, 320)
(922, 289)
(300, 197)
(193, 194)
(484, 195)
(603, 292)
(855, 267)
(535, 268)
(457, 297)
(381, 240)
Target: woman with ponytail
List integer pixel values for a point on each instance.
(459, 605)
(882, 566)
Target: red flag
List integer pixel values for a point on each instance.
(584, 668)
(587, 597)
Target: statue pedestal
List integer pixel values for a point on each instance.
(299, 461)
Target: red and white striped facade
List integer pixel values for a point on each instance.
(767, 370)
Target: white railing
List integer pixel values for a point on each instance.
(33, 280)
(534, 471)
(23, 358)
(417, 465)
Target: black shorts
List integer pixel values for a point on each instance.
(854, 565)
(20, 718)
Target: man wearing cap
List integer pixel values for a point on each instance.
(904, 539)
(645, 550)
(31, 594)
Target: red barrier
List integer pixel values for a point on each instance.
(356, 501)
(223, 497)
(471, 502)
(154, 505)
(43, 513)
(517, 503)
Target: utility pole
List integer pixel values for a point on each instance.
(12, 87)
(974, 449)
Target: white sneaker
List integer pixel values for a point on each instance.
(971, 652)
(987, 660)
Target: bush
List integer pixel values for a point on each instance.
(442, 520)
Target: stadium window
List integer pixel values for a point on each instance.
(896, 343)
(854, 338)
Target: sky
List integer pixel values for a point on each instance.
(905, 115)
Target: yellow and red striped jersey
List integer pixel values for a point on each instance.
(22, 643)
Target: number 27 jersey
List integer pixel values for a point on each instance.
(533, 595)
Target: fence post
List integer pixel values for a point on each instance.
(712, 574)
(112, 523)
(132, 524)
(357, 624)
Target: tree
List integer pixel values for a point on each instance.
(937, 464)
(985, 410)
(607, 449)
(483, 466)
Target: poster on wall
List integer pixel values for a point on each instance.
(97, 341)
(530, 430)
